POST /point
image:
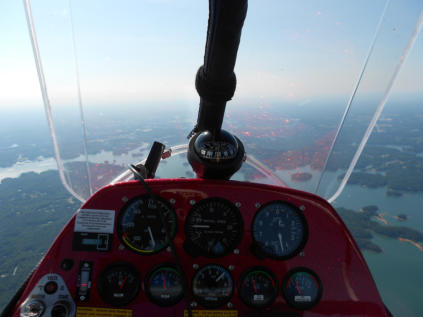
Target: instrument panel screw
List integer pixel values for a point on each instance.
(82, 297)
(195, 266)
(236, 251)
(257, 205)
(302, 253)
(302, 208)
(124, 199)
(194, 304)
(230, 305)
(121, 247)
(231, 267)
(238, 204)
(172, 201)
(192, 202)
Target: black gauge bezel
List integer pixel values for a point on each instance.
(121, 232)
(258, 251)
(246, 273)
(147, 290)
(220, 303)
(195, 250)
(102, 278)
(291, 303)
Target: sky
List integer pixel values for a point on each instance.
(148, 51)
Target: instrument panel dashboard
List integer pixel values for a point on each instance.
(243, 249)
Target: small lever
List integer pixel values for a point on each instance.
(148, 170)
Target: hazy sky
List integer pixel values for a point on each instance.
(138, 51)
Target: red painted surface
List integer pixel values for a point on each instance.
(348, 287)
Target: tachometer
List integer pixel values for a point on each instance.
(164, 285)
(302, 288)
(140, 225)
(212, 286)
(258, 287)
(213, 228)
(279, 231)
(119, 284)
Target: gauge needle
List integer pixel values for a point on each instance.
(220, 277)
(164, 282)
(254, 286)
(297, 287)
(123, 282)
(280, 241)
(151, 237)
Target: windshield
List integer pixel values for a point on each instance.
(312, 81)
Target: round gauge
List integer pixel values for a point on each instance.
(302, 288)
(140, 225)
(279, 231)
(119, 284)
(213, 228)
(212, 286)
(258, 287)
(164, 285)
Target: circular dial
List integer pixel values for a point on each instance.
(164, 285)
(119, 284)
(140, 224)
(302, 288)
(279, 231)
(213, 228)
(258, 287)
(212, 286)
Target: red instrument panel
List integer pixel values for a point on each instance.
(245, 250)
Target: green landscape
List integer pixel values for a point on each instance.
(33, 210)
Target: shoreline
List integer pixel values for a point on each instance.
(416, 244)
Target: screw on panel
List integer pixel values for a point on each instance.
(257, 205)
(192, 202)
(302, 208)
(169, 249)
(302, 253)
(195, 266)
(236, 251)
(121, 247)
(230, 305)
(231, 267)
(172, 201)
(238, 204)
(86, 265)
(82, 297)
(124, 199)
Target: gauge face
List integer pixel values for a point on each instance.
(302, 288)
(212, 286)
(140, 224)
(279, 231)
(213, 228)
(164, 286)
(218, 150)
(119, 284)
(258, 287)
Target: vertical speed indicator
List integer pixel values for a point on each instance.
(279, 231)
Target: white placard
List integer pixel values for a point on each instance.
(95, 220)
